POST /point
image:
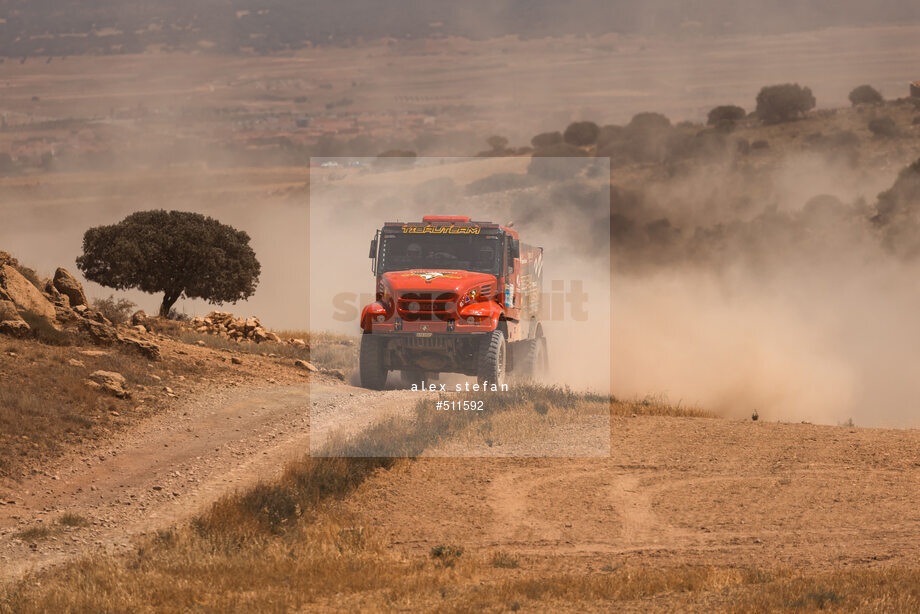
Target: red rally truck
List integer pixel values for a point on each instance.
(453, 295)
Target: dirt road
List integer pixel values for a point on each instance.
(173, 465)
(673, 490)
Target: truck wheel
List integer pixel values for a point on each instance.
(370, 362)
(535, 359)
(491, 359)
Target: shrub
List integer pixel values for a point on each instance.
(781, 103)
(581, 134)
(645, 139)
(883, 127)
(44, 332)
(647, 122)
(503, 560)
(865, 94)
(546, 139)
(446, 555)
(117, 311)
(497, 143)
(609, 134)
(31, 275)
(725, 113)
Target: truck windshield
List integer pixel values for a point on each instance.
(477, 253)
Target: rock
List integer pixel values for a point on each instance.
(97, 316)
(236, 361)
(303, 364)
(100, 333)
(140, 328)
(139, 318)
(94, 353)
(334, 373)
(8, 311)
(111, 382)
(73, 362)
(297, 343)
(24, 295)
(272, 337)
(6, 259)
(14, 328)
(67, 284)
(145, 348)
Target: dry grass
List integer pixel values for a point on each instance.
(657, 406)
(44, 531)
(290, 545)
(46, 405)
(327, 350)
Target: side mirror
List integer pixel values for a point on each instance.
(373, 252)
(515, 248)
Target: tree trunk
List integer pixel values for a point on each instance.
(168, 301)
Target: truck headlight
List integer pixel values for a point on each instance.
(381, 318)
(470, 320)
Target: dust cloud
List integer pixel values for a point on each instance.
(792, 305)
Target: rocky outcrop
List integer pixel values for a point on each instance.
(139, 318)
(109, 381)
(14, 328)
(6, 259)
(27, 298)
(144, 348)
(238, 329)
(67, 284)
(306, 366)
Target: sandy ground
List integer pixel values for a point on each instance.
(172, 466)
(673, 491)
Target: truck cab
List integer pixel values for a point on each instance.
(452, 295)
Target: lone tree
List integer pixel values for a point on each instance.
(781, 103)
(865, 94)
(177, 253)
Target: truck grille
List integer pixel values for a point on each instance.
(426, 306)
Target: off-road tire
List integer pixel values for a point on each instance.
(492, 359)
(370, 362)
(535, 361)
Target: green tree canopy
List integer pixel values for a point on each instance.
(178, 253)
(865, 94)
(781, 103)
(581, 134)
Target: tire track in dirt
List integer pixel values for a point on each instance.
(174, 464)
